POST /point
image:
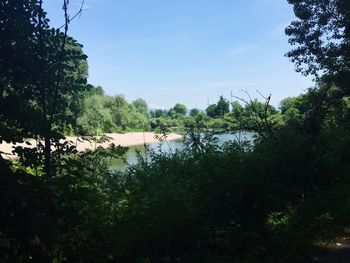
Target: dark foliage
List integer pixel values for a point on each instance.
(268, 200)
(321, 35)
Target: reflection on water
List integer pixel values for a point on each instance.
(131, 155)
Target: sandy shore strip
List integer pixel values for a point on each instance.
(126, 140)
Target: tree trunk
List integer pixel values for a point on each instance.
(47, 151)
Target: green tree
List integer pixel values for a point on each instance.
(321, 35)
(95, 119)
(236, 108)
(41, 94)
(211, 110)
(17, 74)
(180, 109)
(222, 107)
(141, 106)
(194, 112)
(158, 113)
(95, 90)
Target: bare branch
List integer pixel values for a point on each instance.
(262, 95)
(80, 11)
(60, 60)
(259, 122)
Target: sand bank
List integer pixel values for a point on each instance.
(126, 139)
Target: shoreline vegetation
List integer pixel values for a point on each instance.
(281, 197)
(82, 143)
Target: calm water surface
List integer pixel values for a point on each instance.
(131, 155)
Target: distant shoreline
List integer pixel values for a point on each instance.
(126, 140)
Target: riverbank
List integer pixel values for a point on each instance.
(126, 140)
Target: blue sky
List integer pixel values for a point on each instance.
(169, 51)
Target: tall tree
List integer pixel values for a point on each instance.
(141, 106)
(222, 107)
(211, 110)
(42, 71)
(321, 36)
(180, 109)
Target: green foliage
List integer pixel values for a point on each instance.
(237, 202)
(222, 107)
(158, 113)
(267, 200)
(218, 110)
(141, 106)
(211, 110)
(36, 97)
(95, 119)
(102, 114)
(180, 109)
(194, 112)
(321, 35)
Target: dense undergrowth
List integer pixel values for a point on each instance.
(271, 200)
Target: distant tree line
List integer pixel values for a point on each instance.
(98, 113)
(276, 198)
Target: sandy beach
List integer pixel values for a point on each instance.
(126, 139)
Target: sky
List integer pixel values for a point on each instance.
(187, 51)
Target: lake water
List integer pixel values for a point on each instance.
(131, 155)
